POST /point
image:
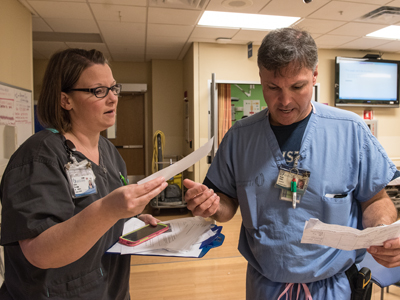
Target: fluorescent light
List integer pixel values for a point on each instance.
(245, 21)
(390, 32)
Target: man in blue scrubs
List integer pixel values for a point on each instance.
(344, 168)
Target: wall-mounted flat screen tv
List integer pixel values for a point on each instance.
(366, 82)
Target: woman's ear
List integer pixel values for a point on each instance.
(65, 101)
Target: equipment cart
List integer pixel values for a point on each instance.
(173, 195)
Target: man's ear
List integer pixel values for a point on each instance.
(315, 75)
(65, 101)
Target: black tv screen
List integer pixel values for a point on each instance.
(366, 82)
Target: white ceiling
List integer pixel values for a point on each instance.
(142, 30)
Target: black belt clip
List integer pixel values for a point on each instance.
(360, 283)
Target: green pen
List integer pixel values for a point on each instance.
(293, 189)
(123, 178)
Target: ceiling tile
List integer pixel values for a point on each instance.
(342, 11)
(249, 7)
(121, 2)
(73, 25)
(127, 56)
(166, 42)
(133, 52)
(173, 16)
(395, 3)
(62, 10)
(202, 40)
(393, 46)
(162, 55)
(356, 29)
(180, 4)
(292, 8)
(246, 36)
(38, 24)
(166, 47)
(78, 1)
(166, 30)
(379, 2)
(212, 33)
(333, 40)
(129, 34)
(319, 26)
(364, 43)
(119, 13)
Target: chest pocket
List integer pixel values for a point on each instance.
(336, 210)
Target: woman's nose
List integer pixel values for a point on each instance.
(112, 97)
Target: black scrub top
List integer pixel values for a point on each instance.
(35, 195)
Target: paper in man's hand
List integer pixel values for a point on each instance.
(347, 238)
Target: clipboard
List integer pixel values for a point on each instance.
(204, 234)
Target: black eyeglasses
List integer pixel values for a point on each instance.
(101, 91)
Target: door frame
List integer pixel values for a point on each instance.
(213, 109)
(139, 88)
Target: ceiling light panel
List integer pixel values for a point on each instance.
(390, 32)
(246, 21)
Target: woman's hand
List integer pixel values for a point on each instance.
(130, 200)
(45, 251)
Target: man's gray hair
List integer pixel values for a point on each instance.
(285, 46)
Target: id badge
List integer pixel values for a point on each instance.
(286, 176)
(292, 176)
(81, 178)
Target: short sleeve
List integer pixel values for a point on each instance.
(221, 172)
(35, 196)
(376, 169)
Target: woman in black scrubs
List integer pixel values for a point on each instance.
(55, 229)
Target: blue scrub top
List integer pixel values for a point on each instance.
(343, 158)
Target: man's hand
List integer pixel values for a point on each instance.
(201, 200)
(387, 255)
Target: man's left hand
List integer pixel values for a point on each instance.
(387, 255)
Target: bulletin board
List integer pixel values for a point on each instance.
(16, 110)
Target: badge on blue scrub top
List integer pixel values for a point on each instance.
(293, 183)
(80, 175)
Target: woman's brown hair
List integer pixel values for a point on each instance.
(62, 73)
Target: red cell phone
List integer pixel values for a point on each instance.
(142, 234)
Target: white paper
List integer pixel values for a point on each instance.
(183, 239)
(182, 164)
(394, 182)
(347, 238)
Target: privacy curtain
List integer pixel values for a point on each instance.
(224, 110)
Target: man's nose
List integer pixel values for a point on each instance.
(285, 98)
